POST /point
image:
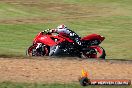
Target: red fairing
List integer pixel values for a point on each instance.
(47, 39)
(65, 36)
(93, 36)
(36, 37)
(40, 38)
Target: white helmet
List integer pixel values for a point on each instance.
(62, 26)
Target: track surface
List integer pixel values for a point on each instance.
(47, 70)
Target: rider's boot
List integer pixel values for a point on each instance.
(79, 47)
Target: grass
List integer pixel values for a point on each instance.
(110, 18)
(55, 85)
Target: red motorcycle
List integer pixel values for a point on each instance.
(49, 44)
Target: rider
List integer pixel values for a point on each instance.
(64, 29)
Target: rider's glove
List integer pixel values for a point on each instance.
(53, 30)
(46, 31)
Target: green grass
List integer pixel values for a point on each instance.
(110, 18)
(55, 85)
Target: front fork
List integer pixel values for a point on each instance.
(38, 45)
(38, 50)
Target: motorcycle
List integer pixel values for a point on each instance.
(50, 44)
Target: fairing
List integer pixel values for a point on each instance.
(93, 36)
(45, 39)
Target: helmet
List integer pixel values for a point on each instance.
(62, 26)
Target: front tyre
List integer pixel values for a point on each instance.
(32, 51)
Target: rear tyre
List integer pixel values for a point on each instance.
(95, 52)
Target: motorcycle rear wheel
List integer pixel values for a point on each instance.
(95, 52)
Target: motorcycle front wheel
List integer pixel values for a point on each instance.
(31, 51)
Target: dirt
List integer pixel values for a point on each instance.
(63, 70)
